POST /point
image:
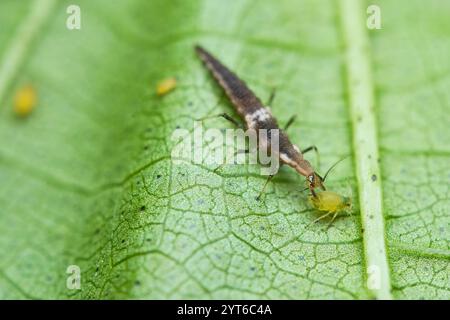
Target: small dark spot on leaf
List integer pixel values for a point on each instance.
(371, 216)
(189, 103)
(123, 240)
(142, 208)
(369, 156)
(177, 127)
(158, 176)
(374, 177)
(252, 268)
(137, 283)
(96, 269)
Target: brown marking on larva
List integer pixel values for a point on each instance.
(237, 91)
(256, 116)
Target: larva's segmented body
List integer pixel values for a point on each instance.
(256, 116)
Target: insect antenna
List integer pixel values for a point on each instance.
(328, 171)
(332, 167)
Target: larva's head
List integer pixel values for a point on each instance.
(315, 181)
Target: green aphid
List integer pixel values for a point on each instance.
(330, 202)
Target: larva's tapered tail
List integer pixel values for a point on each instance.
(237, 91)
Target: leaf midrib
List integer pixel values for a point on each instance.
(349, 11)
(365, 144)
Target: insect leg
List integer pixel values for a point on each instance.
(264, 187)
(309, 149)
(271, 97)
(229, 118)
(225, 116)
(332, 219)
(290, 121)
(235, 153)
(319, 218)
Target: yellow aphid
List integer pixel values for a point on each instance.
(25, 100)
(166, 86)
(329, 202)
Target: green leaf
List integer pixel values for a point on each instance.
(87, 179)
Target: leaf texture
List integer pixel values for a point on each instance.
(88, 179)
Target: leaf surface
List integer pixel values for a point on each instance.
(88, 180)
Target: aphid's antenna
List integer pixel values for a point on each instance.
(332, 167)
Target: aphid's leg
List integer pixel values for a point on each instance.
(225, 116)
(319, 218)
(271, 97)
(264, 187)
(332, 219)
(290, 121)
